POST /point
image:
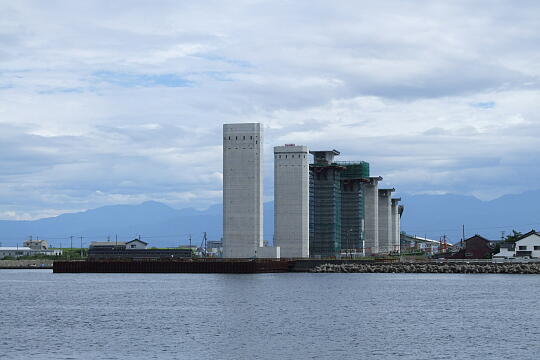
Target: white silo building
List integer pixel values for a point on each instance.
(291, 200)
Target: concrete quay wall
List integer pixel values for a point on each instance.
(26, 264)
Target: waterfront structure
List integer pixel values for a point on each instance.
(15, 252)
(291, 200)
(129, 245)
(385, 220)
(134, 249)
(371, 217)
(397, 210)
(325, 205)
(353, 178)
(243, 192)
(95, 244)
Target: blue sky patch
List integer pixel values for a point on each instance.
(484, 105)
(141, 80)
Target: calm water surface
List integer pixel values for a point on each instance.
(268, 316)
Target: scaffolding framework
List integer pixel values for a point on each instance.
(353, 205)
(325, 210)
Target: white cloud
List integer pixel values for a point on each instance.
(106, 102)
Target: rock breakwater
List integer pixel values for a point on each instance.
(446, 268)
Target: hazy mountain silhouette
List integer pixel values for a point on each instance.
(161, 225)
(436, 215)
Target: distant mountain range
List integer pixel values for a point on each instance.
(161, 225)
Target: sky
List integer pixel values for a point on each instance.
(120, 102)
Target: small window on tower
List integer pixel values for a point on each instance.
(244, 137)
(237, 138)
(251, 138)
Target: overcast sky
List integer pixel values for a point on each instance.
(108, 102)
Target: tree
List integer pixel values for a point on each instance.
(513, 237)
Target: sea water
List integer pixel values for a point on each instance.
(268, 316)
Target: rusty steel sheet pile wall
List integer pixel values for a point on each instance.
(225, 267)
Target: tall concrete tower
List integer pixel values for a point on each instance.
(371, 219)
(291, 200)
(396, 225)
(386, 237)
(242, 190)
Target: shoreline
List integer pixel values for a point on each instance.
(432, 268)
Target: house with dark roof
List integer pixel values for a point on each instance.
(475, 247)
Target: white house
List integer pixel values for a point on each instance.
(36, 244)
(506, 251)
(136, 244)
(529, 245)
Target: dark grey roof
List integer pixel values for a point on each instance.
(145, 243)
(107, 243)
(509, 246)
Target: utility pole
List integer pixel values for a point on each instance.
(462, 233)
(189, 241)
(71, 242)
(116, 239)
(81, 247)
(444, 243)
(205, 245)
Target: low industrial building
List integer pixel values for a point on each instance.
(411, 244)
(214, 248)
(134, 249)
(18, 251)
(15, 252)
